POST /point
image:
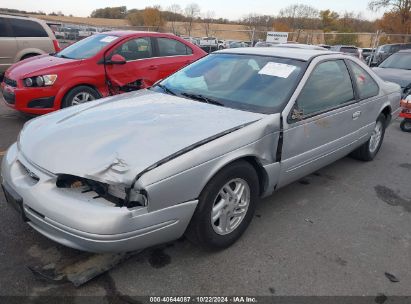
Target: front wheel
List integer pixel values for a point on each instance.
(79, 95)
(406, 125)
(226, 207)
(369, 150)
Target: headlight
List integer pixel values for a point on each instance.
(40, 81)
(116, 194)
(28, 82)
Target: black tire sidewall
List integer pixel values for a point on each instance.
(202, 217)
(403, 125)
(381, 119)
(73, 92)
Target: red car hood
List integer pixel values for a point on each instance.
(37, 65)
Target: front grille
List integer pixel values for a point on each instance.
(10, 82)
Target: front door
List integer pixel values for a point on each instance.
(139, 71)
(324, 123)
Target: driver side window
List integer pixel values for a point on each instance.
(329, 86)
(135, 49)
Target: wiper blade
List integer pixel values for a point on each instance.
(203, 98)
(165, 89)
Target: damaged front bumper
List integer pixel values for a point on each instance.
(84, 221)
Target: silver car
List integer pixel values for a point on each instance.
(193, 154)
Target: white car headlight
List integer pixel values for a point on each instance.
(40, 81)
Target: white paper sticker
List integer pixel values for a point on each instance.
(277, 69)
(108, 39)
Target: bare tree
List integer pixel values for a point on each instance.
(299, 17)
(400, 7)
(191, 12)
(257, 25)
(208, 22)
(175, 9)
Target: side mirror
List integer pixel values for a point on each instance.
(117, 59)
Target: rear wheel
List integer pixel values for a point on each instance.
(369, 150)
(406, 125)
(226, 207)
(79, 95)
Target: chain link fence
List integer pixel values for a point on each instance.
(70, 33)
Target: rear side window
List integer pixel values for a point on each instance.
(171, 47)
(367, 87)
(329, 86)
(3, 28)
(26, 28)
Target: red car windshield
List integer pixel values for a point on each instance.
(87, 47)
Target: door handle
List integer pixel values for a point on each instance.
(355, 115)
(153, 67)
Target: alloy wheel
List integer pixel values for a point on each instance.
(230, 206)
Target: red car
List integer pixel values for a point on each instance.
(98, 66)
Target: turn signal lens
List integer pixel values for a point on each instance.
(49, 79)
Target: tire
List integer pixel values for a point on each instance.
(369, 150)
(213, 234)
(406, 125)
(28, 56)
(79, 95)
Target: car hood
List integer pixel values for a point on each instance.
(116, 138)
(35, 66)
(401, 77)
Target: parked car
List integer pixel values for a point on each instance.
(220, 44)
(264, 44)
(209, 44)
(347, 49)
(326, 46)
(194, 153)
(366, 53)
(300, 46)
(22, 38)
(237, 44)
(71, 33)
(226, 44)
(397, 68)
(97, 66)
(193, 40)
(87, 32)
(385, 51)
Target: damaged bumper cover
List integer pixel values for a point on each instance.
(84, 221)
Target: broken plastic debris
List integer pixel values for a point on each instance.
(82, 270)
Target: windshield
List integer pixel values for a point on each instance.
(87, 47)
(248, 82)
(397, 61)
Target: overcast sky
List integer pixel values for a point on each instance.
(231, 9)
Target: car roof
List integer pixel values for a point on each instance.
(292, 53)
(130, 33)
(300, 46)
